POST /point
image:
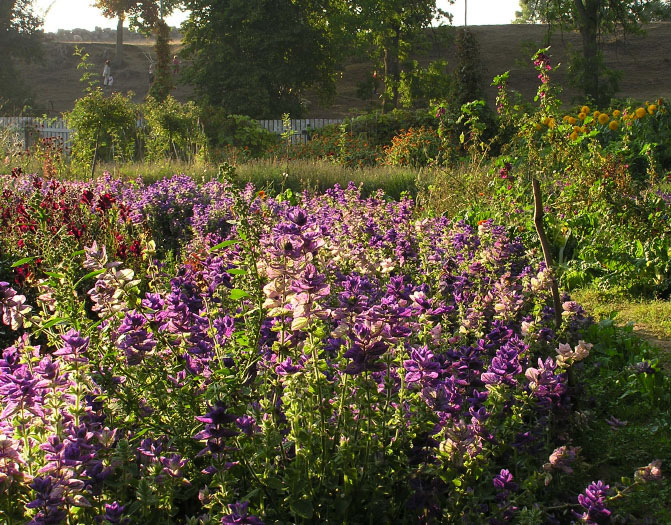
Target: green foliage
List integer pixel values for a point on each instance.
(468, 73)
(173, 130)
(106, 129)
(20, 38)
(239, 132)
(257, 58)
(593, 19)
(390, 28)
(419, 86)
(415, 147)
(163, 80)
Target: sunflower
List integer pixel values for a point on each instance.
(573, 136)
(652, 108)
(572, 120)
(603, 118)
(596, 114)
(582, 116)
(545, 121)
(613, 125)
(577, 129)
(616, 113)
(584, 109)
(551, 123)
(640, 112)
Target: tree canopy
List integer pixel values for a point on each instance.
(20, 38)
(592, 18)
(258, 58)
(390, 27)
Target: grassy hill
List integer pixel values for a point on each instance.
(642, 59)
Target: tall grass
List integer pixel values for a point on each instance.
(277, 175)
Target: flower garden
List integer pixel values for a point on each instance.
(186, 351)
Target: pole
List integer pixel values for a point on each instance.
(465, 12)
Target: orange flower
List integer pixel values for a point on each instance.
(603, 118)
(640, 112)
(616, 113)
(584, 109)
(613, 125)
(261, 194)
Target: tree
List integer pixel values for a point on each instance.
(591, 18)
(143, 14)
(20, 38)
(258, 58)
(390, 27)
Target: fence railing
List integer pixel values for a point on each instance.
(31, 129)
(301, 128)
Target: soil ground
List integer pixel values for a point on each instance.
(643, 60)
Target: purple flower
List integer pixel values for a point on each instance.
(593, 500)
(504, 482)
(113, 512)
(12, 309)
(422, 367)
(239, 515)
(75, 345)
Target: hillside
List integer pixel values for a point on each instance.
(642, 59)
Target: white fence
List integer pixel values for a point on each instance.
(28, 130)
(301, 128)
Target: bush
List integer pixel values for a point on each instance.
(105, 129)
(240, 132)
(173, 130)
(415, 147)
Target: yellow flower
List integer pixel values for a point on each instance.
(616, 113)
(652, 108)
(583, 129)
(572, 120)
(596, 114)
(573, 136)
(584, 109)
(603, 118)
(582, 116)
(566, 118)
(545, 121)
(640, 112)
(551, 123)
(577, 129)
(538, 126)
(613, 124)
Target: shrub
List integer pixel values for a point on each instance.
(415, 147)
(105, 129)
(173, 130)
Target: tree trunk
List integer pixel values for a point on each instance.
(119, 37)
(588, 25)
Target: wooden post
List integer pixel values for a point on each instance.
(547, 251)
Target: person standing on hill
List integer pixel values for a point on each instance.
(107, 73)
(175, 65)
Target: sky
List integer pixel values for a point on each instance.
(71, 14)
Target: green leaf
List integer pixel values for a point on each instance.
(54, 322)
(237, 294)
(303, 508)
(223, 245)
(55, 275)
(236, 271)
(23, 261)
(89, 275)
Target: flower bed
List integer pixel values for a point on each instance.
(337, 361)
